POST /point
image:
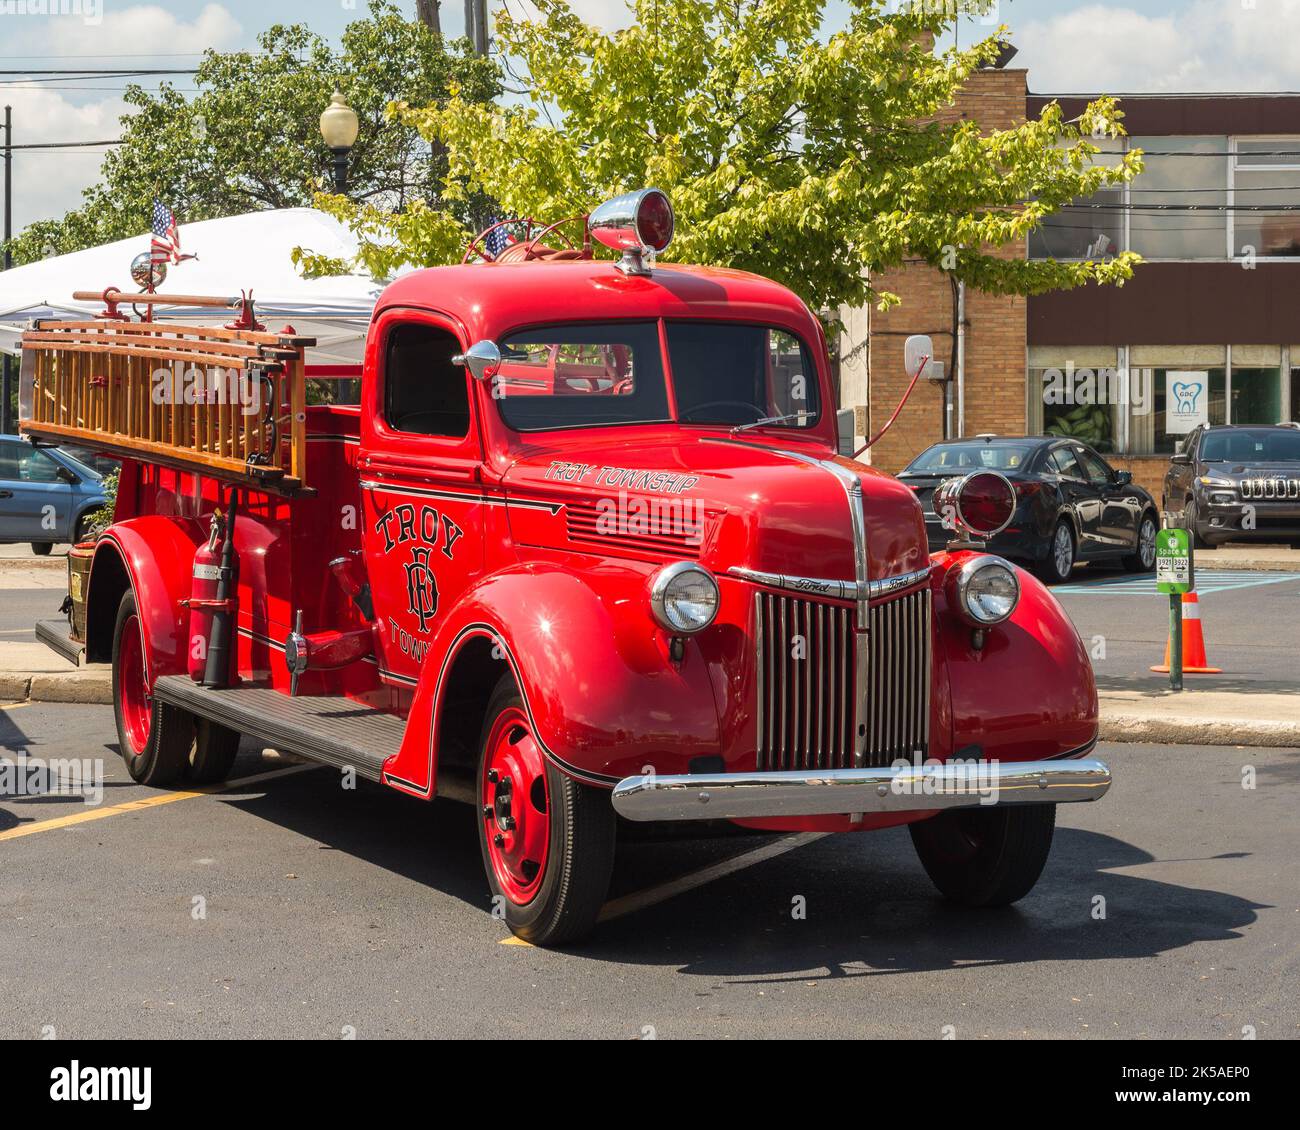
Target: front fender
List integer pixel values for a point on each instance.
(593, 669)
(157, 554)
(1030, 691)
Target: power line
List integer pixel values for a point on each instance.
(65, 144)
(88, 71)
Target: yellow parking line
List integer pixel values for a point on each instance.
(147, 802)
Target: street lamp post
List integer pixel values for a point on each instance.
(338, 126)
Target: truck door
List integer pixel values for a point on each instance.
(35, 497)
(422, 499)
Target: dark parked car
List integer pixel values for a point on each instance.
(1072, 505)
(1232, 483)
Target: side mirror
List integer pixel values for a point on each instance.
(917, 350)
(482, 359)
(68, 476)
(1181, 459)
(1123, 478)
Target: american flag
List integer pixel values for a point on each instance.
(165, 246)
(497, 240)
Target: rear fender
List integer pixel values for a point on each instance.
(592, 667)
(155, 554)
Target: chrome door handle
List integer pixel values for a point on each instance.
(6, 494)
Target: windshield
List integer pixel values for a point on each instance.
(1251, 446)
(969, 456)
(724, 373)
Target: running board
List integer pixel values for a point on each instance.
(330, 729)
(57, 636)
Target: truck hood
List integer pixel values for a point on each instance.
(724, 501)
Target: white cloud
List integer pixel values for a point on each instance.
(47, 183)
(1208, 45)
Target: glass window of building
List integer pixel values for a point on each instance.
(1088, 228)
(1266, 173)
(1077, 391)
(1179, 173)
(1173, 389)
(1256, 384)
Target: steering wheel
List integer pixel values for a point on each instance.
(476, 250)
(758, 413)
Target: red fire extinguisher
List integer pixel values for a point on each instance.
(212, 604)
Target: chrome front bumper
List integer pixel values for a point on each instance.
(829, 792)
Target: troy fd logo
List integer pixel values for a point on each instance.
(421, 587)
(430, 530)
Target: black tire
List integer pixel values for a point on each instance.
(580, 858)
(166, 753)
(1134, 562)
(1050, 568)
(42, 548)
(214, 752)
(79, 530)
(1191, 519)
(985, 856)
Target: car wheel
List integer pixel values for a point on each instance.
(1143, 559)
(1191, 519)
(547, 841)
(1059, 563)
(82, 529)
(985, 856)
(155, 738)
(42, 548)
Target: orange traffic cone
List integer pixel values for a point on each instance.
(1194, 658)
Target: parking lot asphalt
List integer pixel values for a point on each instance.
(1250, 623)
(291, 907)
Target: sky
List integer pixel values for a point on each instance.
(1112, 46)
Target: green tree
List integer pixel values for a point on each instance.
(811, 158)
(251, 138)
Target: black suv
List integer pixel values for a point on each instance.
(1232, 483)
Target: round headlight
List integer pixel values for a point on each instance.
(987, 590)
(684, 597)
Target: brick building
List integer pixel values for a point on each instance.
(1216, 217)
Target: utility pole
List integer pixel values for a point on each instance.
(428, 13)
(476, 30)
(6, 385)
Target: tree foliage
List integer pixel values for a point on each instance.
(251, 138)
(814, 159)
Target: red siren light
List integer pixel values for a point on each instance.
(634, 223)
(981, 504)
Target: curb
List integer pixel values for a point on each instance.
(86, 685)
(1120, 727)
(60, 563)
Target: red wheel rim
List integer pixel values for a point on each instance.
(516, 806)
(133, 686)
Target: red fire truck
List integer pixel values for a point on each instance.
(585, 552)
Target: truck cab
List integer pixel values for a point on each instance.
(586, 553)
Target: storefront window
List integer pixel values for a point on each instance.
(1077, 392)
(1256, 396)
(1180, 172)
(1169, 425)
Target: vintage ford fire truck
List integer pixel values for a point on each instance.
(585, 551)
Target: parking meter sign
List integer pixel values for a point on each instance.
(1174, 561)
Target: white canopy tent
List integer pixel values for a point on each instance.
(239, 253)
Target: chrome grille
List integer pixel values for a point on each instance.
(898, 710)
(1270, 488)
(805, 658)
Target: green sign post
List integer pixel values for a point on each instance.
(1174, 576)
